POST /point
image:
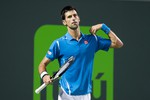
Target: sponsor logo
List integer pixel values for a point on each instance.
(85, 42)
(49, 52)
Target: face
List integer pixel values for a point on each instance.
(71, 19)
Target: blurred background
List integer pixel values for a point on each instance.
(130, 20)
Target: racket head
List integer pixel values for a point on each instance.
(63, 69)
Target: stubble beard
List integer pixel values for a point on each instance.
(74, 27)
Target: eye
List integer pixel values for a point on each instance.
(75, 15)
(70, 16)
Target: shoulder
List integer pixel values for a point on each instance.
(60, 40)
(91, 36)
(63, 38)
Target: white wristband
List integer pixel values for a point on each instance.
(43, 74)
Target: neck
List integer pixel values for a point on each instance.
(75, 33)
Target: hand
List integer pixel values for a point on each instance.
(47, 79)
(95, 28)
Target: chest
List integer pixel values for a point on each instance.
(75, 48)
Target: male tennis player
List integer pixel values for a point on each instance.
(75, 83)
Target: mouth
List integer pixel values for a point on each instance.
(74, 22)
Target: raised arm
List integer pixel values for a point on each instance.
(115, 41)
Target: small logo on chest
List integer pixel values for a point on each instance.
(85, 42)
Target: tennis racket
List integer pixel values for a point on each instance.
(58, 74)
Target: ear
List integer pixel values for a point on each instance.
(64, 22)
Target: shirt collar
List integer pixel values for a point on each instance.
(69, 37)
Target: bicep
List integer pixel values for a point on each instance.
(103, 44)
(53, 52)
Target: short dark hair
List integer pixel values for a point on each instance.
(65, 9)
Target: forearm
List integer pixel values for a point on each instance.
(115, 41)
(42, 68)
(43, 64)
(42, 71)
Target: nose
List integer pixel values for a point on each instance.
(73, 18)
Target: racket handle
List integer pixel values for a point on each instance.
(38, 90)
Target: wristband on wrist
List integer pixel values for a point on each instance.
(105, 28)
(43, 74)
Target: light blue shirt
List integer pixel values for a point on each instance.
(77, 79)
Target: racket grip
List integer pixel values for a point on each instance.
(38, 90)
